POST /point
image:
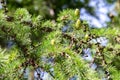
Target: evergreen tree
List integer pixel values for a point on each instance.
(32, 42)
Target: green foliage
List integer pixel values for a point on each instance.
(23, 15)
(35, 38)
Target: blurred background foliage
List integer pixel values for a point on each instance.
(50, 8)
(96, 12)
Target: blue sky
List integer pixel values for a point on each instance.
(101, 10)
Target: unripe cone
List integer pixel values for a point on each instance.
(77, 24)
(77, 12)
(86, 36)
(52, 42)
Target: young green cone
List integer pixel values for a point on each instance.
(77, 12)
(77, 24)
(52, 41)
(86, 37)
